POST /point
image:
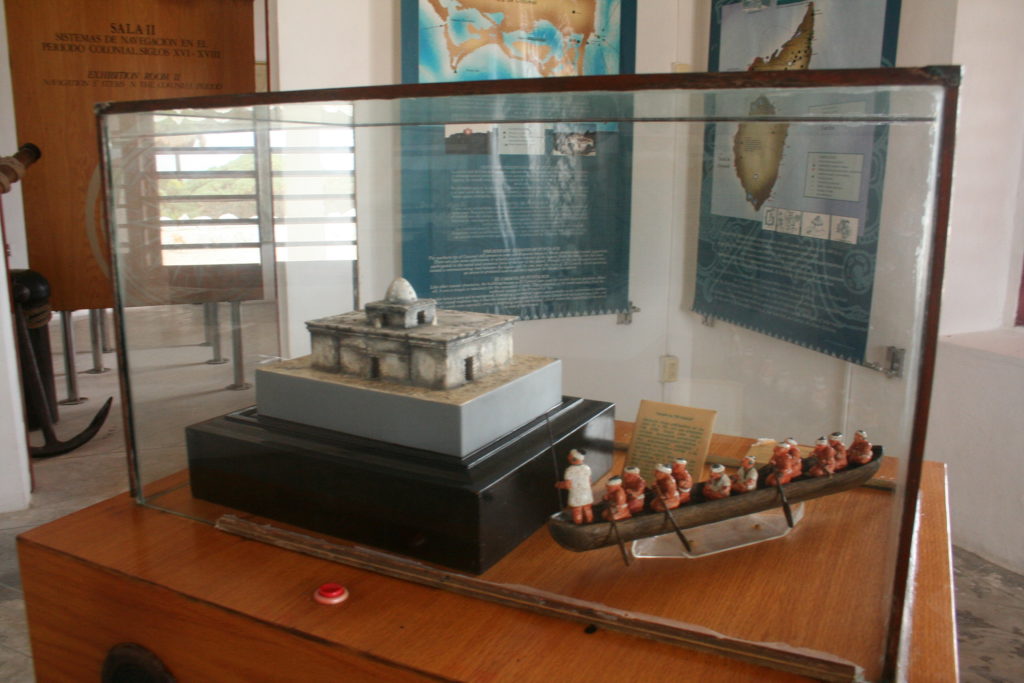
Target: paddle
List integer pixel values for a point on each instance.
(668, 516)
(785, 501)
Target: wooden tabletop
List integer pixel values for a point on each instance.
(209, 601)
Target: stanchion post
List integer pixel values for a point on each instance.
(211, 320)
(236, 347)
(96, 341)
(70, 376)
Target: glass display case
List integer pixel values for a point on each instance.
(764, 248)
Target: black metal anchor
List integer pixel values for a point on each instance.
(37, 400)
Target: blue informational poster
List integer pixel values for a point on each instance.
(519, 218)
(789, 212)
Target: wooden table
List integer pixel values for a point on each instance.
(216, 607)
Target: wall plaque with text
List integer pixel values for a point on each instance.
(68, 55)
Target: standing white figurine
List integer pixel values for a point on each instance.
(576, 481)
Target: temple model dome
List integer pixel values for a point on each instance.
(400, 292)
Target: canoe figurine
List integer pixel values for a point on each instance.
(835, 440)
(615, 497)
(682, 475)
(860, 451)
(785, 465)
(666, 492)
(796, 461)
(576, 481)
(719, 485)
(635, 487)
(669, 508)
(823, 460)
(745, 478)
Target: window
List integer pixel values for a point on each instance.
(223, 198)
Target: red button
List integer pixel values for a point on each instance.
(331, 594)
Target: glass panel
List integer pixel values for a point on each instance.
(314, 208)
(209, 256)
(328, 184)
(316, 232)
(327, 161)
(214, 162)
(183, 186)
(309, 183)
(196, 234)
(886, 103)
(335, 252)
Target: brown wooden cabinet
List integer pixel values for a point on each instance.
(215, 607)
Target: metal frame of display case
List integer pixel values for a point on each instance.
(945, 77)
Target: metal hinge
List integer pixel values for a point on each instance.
(895, 358)
(626, 317)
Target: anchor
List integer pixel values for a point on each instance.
(12, 170)
(36, 393)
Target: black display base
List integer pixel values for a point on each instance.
(463, 514)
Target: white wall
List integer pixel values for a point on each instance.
(976, 428)
(985, 247)
(14, 208)
(326, 44)
(979, 387)
(14, 474)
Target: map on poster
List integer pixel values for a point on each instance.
(470, 40)
(790, 212)
(517, 217)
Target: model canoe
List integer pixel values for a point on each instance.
(698, 512)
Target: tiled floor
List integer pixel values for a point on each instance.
(990, 600)
(63, 484)
(990, 620)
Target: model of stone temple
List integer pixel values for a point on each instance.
(407, 340)
(408, 427)
(405, 372)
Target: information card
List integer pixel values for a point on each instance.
(665, 432)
